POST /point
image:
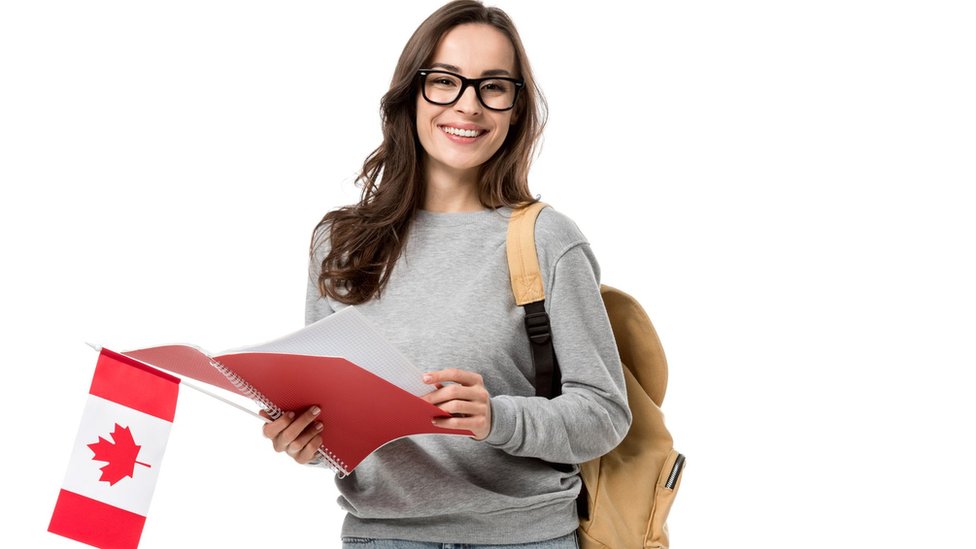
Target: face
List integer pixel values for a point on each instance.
(471, 50)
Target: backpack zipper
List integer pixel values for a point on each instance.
(679, 462)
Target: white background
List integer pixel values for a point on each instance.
(786, 186)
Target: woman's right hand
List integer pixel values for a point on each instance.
(298, 435)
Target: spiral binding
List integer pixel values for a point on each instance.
(336, 464)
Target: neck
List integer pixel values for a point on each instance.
(450, 190)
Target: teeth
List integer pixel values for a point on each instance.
(460, 132)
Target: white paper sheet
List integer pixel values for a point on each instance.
(348, 334)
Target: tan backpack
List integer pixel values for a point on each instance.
(628, 492)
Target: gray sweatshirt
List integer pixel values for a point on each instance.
(449, 304)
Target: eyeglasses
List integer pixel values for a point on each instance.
(497, 93)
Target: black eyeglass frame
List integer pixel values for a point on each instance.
(465, 82)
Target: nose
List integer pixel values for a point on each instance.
(468, 102)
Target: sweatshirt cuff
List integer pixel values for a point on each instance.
(502, 421)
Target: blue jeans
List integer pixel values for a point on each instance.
(565, 542)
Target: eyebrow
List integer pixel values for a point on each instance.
(452, 68)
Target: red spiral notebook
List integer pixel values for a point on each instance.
(369, 393)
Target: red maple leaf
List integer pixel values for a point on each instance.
(121, 456)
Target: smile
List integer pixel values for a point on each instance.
(462, 133)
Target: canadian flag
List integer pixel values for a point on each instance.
(115, 461)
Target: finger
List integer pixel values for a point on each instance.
(464, 408)
(308, 452)
(457, 375)
(273, 429)
(434, 383)
(296, 446)
(295, 428)
(443, 394)
(456, 392)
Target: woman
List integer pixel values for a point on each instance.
(423, 255)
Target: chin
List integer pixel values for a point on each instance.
(462, 164)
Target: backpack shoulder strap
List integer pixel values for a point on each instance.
(523, 262)
(526, 276)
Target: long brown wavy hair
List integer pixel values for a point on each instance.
(366, 238)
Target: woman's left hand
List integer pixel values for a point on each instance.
(466, 399)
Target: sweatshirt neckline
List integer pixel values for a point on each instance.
(454, 219)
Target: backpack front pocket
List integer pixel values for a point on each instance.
(664, 493)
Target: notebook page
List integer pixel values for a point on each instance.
(348, 334)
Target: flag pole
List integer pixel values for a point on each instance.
(224, 400)
(183, 381)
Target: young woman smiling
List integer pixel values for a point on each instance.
(423, 255)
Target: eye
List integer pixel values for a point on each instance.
(442, 81)
(495, 86)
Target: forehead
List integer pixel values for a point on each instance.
(475, 48)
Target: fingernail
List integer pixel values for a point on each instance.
(291, 415)
(318, 425)
(315, 410)
(427, 378)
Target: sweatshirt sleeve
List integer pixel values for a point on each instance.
(591, 415)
